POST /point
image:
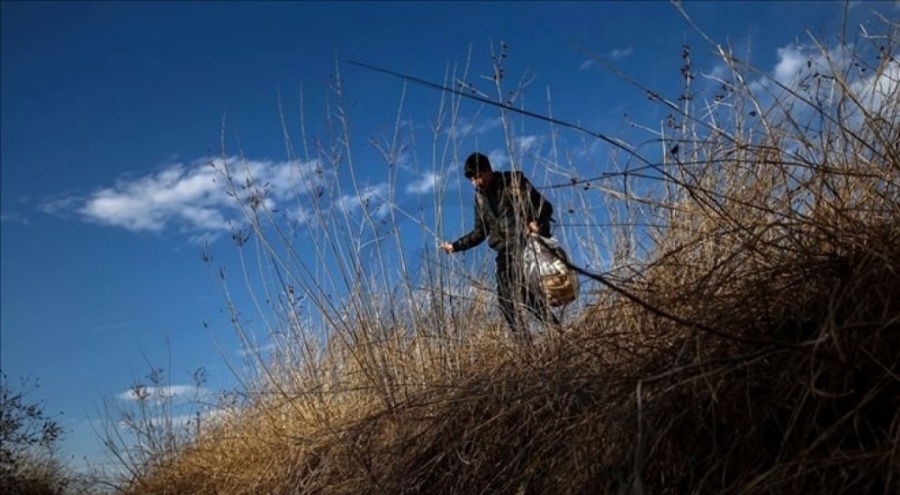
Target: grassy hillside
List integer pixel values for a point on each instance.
(743, 335)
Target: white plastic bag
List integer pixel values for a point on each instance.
(545, 269)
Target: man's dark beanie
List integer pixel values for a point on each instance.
(477, 163)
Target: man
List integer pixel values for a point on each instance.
(507, 208)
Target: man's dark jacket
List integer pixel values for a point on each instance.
(503, 211)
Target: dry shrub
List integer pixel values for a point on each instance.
(754, 349)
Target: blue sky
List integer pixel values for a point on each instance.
(110, 112)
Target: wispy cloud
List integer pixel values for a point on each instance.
(615, 54)
(466, 128)
(807, 70)
(204, 199)
(368, 197)
(880, 88)
(196, 198)
(620, 53)
(790, 62)
(257, 351)
(807, 81)
(499, 159)
(526, 143)
(174, 393)
(13, 217)
(192, 420)
(425, 184)
(61, 205)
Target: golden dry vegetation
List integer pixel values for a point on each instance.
(744, 336)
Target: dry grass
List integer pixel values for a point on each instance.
(747, 339)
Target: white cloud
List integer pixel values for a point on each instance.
(257, 351)
(718, 73)
(195, 198)
(424, 184)
(808, 71)
(465, 128)
(205, 417)
(807, 81)
(499, 159)
(175, 393)
(403, 159)
(876, 89)
(790, 62)
(368, 197)
(615, 54)
(526, 143)
(13, 217)
(298, 216)
(204, 238)
(60, 206)
(620, 53)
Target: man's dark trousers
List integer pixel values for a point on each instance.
(513, 290)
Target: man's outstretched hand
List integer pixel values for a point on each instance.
(447, 247)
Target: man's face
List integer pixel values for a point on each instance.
(482, 180)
